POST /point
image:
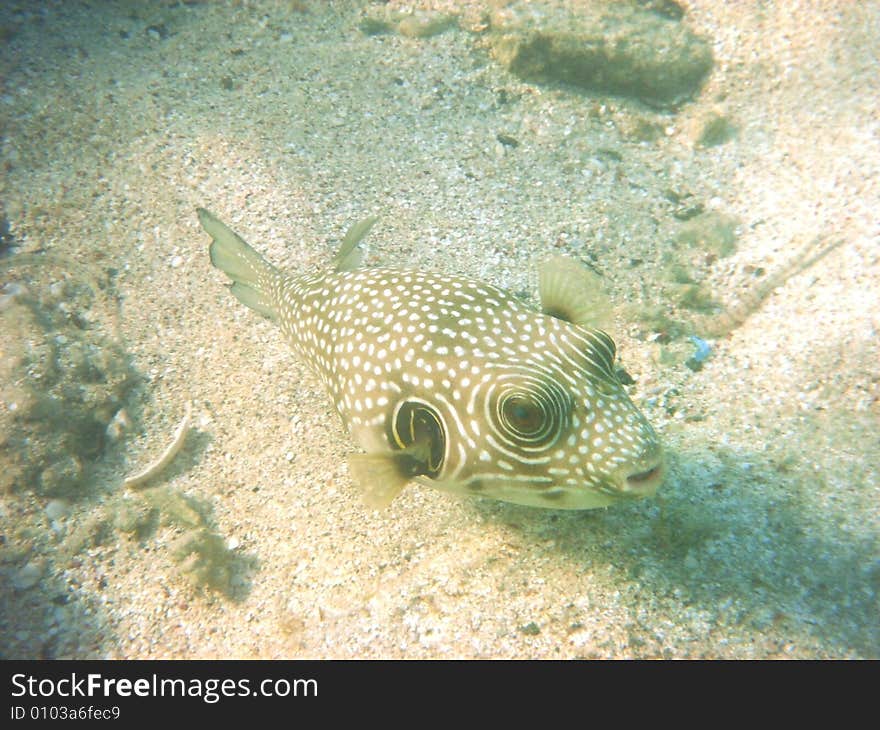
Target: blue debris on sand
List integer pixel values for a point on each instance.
(702, 353)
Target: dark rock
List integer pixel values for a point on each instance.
(371, 25)
(507, 140)
(667, 8)
(616, 49)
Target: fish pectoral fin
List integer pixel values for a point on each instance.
(381, 478)
(573, 293)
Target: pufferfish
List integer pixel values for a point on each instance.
(453, 383)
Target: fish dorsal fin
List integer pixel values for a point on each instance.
(380, 477)
(573, 293)
(349, 257)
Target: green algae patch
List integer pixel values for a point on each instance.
(616, 49)
(64, 375)
(202, 556)
(716, 130)
(205, 559)
(177, 509)
(696, 297)
(713, 232)
(135, 517)
(94, 530)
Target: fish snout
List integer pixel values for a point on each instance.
(642, 477)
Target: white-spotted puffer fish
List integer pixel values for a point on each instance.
(454, 383)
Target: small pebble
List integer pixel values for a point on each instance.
(28, 576)
(9, 293)
(56, 509)
(157, 32)
(118, 425)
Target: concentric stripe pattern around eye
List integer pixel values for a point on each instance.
(526, 412)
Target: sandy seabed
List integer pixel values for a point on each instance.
(289, 122)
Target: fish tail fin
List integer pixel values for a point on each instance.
(249, 271)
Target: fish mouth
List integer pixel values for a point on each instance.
(644, 480)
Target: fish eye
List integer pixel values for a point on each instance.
(523, 416)
(529, 414)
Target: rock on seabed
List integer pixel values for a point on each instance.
(612, 48)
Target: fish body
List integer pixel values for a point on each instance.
(454, 383)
